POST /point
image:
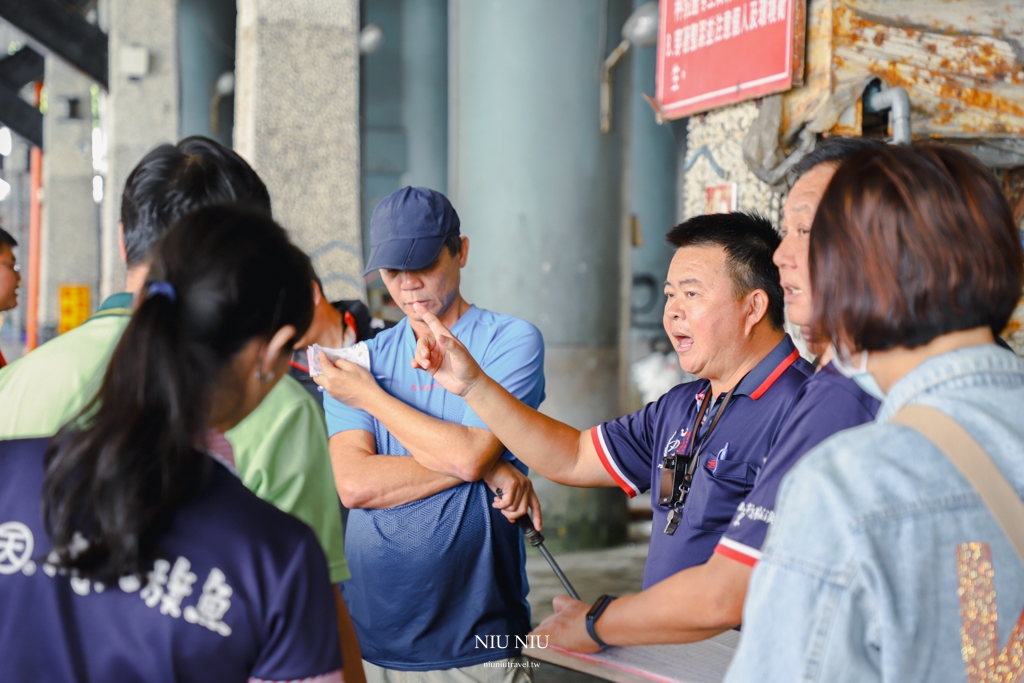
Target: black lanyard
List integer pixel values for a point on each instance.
(707, 435)
(677, 473)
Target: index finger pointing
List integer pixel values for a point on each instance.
(435, 325)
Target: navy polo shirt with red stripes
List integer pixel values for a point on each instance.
(633, 447)
(826, 404)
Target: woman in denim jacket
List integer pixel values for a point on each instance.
(883, 562)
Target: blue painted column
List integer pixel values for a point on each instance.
(425, 92)
(653, 158)
(539, 191)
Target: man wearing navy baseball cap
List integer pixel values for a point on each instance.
(439, 576)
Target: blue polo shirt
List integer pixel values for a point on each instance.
(632, 448)
(827, 403)
(239, 590)
(434, 578)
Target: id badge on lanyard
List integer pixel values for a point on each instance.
(677, 470)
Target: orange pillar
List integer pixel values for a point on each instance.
(35, 231)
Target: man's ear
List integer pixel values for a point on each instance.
(756, 306)
(463, 251)
(276, 347)
(123, 250)
(317, 294)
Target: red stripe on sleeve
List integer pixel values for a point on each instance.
(608, 465)
(736, 555)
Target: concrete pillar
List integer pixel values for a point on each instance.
(142, 110)
(71, 222)
(425, 93)
(206, 36)
(652, 189)
(539, 191)
(297, 123)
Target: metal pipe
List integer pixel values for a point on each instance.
(897, 102)
(35, 231)
(558, 572)
(606, 83)
(536, 539)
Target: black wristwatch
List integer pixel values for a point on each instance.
(595, 612)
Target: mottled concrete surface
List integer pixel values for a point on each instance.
(297, 123)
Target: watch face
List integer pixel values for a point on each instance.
(598, 606)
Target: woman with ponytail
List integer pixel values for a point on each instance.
(150, 561)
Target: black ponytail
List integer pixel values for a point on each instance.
(118, 473)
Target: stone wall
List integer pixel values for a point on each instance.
(297, 123)
(715, 157)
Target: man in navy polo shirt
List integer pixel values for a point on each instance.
(701, 445)
(706, 599)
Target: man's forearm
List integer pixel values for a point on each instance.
(693, 605)
(444, 447)
(547, 446)
(386, 481)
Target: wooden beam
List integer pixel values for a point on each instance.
(64, 32)
(20, 116)
(21, 68)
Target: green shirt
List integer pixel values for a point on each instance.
(41, 391)
(280, 449)
(281, 455)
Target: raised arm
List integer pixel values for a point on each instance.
(551, 448)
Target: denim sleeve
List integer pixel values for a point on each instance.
(806, 615)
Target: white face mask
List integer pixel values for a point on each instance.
(864, 379)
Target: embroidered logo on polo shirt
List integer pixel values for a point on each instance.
(756, 513)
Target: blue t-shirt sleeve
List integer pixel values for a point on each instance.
(341, 418)
(514, 359)
(826, 405)
(626, 448)
(300, 624)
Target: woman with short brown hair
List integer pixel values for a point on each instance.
(880, 564)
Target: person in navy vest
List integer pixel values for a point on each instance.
(700, 446)
(150, 560)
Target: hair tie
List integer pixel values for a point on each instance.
(163, 288)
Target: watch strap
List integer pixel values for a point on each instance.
(598, 608)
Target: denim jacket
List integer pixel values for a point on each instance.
(881, 560)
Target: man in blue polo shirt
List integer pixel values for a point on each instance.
(701, 445)
(437, 570)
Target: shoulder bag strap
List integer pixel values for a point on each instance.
(974, 463)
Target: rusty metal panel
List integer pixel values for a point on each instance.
(800, 104)
(960, 62)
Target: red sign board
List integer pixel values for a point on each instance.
(717, 52)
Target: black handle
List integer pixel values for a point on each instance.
(532, 535)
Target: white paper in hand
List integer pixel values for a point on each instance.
(357, 353)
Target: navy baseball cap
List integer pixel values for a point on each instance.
(408, 229)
